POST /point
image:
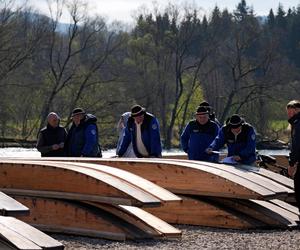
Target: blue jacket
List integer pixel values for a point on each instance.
(150, 136)
(196, 138)
(82, 140)
(243, 145)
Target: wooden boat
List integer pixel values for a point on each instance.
(186, 177)
(50, 179)
(15, 234)
(94, 219)
(222, 195)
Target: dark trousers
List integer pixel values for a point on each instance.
(297, 186)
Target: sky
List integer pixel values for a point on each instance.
(124, 10)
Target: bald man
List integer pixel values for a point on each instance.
(51, 139)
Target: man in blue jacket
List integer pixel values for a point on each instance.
(142, 129)
(240, 139)
(82, 138)
(198, 135)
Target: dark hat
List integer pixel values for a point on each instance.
(235, 121)
(137, 110)
(206, 105)
(77, 111)
(201, 110)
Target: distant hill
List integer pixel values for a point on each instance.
(262, 19)
(63, 28)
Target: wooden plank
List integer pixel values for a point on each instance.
(271, 175)
(66, 196)
(17, 240)
(70, 179)
(160, 193)
(10, 207)
(32, 234)
(286, 206)
(160, 225)
(81, 232)
(186, 178)
(201, 212)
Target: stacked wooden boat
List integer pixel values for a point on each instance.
(136, 198)
(214, 194)
(86, 199)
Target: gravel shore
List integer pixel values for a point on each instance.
(194, 237)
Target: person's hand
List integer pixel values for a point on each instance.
(236, 158)
(55, 147)
(209, 151)
(292, 170)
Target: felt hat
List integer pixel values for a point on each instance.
(235, 121)
(137, 110)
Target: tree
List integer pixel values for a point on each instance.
(21, 32)
(271, 19)
(66, 54)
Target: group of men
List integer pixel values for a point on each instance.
(139, 136)
(80, 140)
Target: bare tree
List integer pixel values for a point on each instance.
(21, 32)
(67, 50)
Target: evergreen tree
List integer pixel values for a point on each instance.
(242, 11)
(271, 19)
(280, 18)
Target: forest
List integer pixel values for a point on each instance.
(168, 61)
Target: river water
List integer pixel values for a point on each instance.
(32, 152)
